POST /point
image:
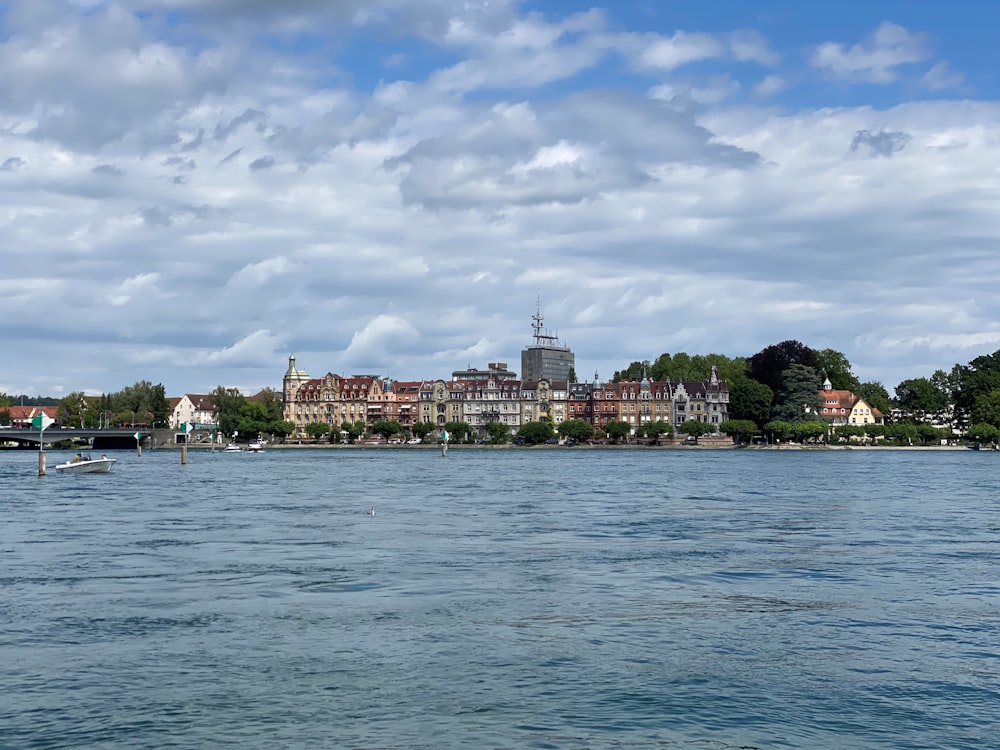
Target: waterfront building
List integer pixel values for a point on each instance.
(294, 379)
(314, 400)
(21, 416)
(441, 402)
(642, 402)
(407, 402)
(191, 408)
(546, 358)
(496, 371)
(495, 396)
(701, 400)
(494, 400)
(591, 402)
(605, 403)
(842, 407)
(544, 400)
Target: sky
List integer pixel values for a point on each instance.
(192, 190)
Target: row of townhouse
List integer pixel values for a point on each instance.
(478, 398)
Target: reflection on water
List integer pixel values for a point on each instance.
(510, 599)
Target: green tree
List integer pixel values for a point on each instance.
(849, 431)
(422, 429)
(928, 433)
(835, 366)
(979, 377)
(876, 395)
(810, 430)
(498, 432)
(576, 428)
(535, 432)
(227, 403)
(354, 430)
(281, 429)
(252, 419)
(695, 429)
(981, 432)
(920, 397)
(778, 430)
(658, 429)
(632, 372)
(740, 430)
(572, 375)
(750, 400)
(946, 382)
(768, 366)
(799, 399)
(458, 432)
(617, 430)
(695, 367)
(316, 430)
(272, 403)
(904, 434)
(387, 428)
(875, 431)
(78, 410)
(146, 402)
(987, 408)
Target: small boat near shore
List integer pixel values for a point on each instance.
(84, 464)
(232, 448)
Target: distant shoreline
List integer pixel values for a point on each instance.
(543, 446)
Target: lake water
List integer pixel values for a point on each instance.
(502, 599)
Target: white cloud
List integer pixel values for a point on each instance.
(144, 284)
(679, 49)
(769, 86)
(256, 349)
(941, 77)
(875, 60)
(407, 225)
(715, 90)
(374, 344)
(259, 274)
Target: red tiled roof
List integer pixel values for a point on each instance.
(25, 413)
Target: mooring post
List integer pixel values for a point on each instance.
(184, 453)
(41, 462)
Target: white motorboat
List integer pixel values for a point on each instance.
(81, 464)
(232, 448)
(256, 447)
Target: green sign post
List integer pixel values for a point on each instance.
(187, 428)
(40, 421)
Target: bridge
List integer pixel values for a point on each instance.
(101, 438)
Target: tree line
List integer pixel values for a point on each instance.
(780, 384)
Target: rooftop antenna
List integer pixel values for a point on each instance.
(536, 320)
(541, 339)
